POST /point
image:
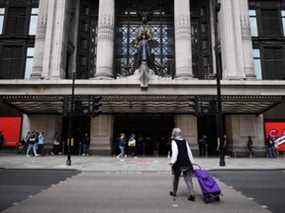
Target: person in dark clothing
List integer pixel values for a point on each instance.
(122, 145)
(2, 139)
(32, 144)
(203, 146)
(271, 147)
(181, 162)
(85, 144)
(250, 147)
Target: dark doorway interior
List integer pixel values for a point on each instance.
(80, 126)
(152, 132)
(207, 126)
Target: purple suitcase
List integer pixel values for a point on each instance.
(209, 187)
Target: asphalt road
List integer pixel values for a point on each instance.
(266, 187)
(18, 185)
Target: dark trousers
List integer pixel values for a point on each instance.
(40, 149)
(187, 175)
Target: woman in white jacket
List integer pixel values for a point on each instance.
(181, 162)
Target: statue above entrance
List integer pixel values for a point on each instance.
(144, 59)
(145, 64)
(144, 43)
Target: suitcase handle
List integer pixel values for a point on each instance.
(197, 165)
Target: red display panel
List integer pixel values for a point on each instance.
(11, 128)
(276, 130)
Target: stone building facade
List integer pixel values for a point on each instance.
(92, 40)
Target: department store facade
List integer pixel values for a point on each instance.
(43, 43)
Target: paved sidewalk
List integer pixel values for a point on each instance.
(146, 164)
(100, 192)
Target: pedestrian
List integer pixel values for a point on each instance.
(271, 147)
(2, 139)
(250, 147)
(32, 144)
(132, 145)
(122, 145)
(203, 146)
(56, 144)
(85, 144)
(41, 142)
(181, 162)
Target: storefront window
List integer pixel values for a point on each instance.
(253, 23)
(257, 63)
(33, 21)
(2, 14)
(29, 63)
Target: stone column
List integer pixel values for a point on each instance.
(48, 38)
(183, 51)
(54, 55)
(105, 40)
(238, 39)
(246, 41)
(239, 127)
(188, 125)
(59, 41)
(101, 135)
(230, 54)
(40, 40)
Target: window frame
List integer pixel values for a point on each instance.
(3, 14)
(282, 13)
(21, 40)
(262, 42)
(33, 15)
(253, 17)
(259, 61)
(29, 57)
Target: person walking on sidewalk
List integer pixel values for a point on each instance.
(41, 142)
(32, 144)
(271, 148)
(250, 147)
(181, 162)
(132, 145)
(122, 145)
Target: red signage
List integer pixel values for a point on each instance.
(276, 130)
(11, 128)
